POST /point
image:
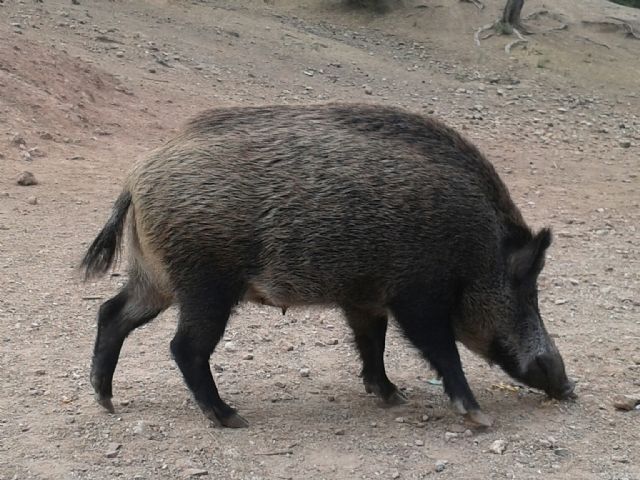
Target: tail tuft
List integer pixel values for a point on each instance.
(104, 249)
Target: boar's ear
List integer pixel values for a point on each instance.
(527, 261)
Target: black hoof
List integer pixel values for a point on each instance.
(106, 403)
(234, 421)
(395, 399)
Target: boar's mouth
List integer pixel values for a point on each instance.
(545, 371)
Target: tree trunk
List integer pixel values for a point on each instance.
(511, 14)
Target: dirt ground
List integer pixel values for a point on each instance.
(86, 89)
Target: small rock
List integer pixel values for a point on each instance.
(626, 402)
(368, 90)
(218, 368)
(620, 459)
(561, 452)
(331, 398)
(151, 70)
(75, 2)
(339, 431)
(395, 474)
(36, 152)
(304, 372)
(46, 136)
(119, 54)
(498, 447)
(441, 465)
(467, 433)
(230, 347)
(248, 356)
(400, 419)
(333, 341)
(195, 472)
(18, 140)
(449, 436)
(40, 372)
(419, 443)
(425, 418)
(140, 427)
(280, 384)
(26, 156)
(32, 200)
(624, 143)
(26, 179)
(112, 450)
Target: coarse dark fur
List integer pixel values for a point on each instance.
(370, 208)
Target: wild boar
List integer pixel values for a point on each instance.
(370, 208)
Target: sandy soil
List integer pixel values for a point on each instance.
(86, 89)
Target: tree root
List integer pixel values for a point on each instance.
(505, 29)
(477, 3)
(521, 39)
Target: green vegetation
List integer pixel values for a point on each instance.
(628, 3)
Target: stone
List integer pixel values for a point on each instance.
(26, 179)
(32, 200)
(304, 372)
(440, 465)
(230, 347)
(450, 436)
(112, 450)
(626, 402)
(498, 447)
(194, 472)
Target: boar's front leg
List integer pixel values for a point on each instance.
(425, 318)
(370, 328)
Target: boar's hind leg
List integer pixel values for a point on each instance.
(427, 324)
(204, 312)
(370, 328)
(134, 306)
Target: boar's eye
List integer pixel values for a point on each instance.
(526, 262)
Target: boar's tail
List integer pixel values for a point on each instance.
(105, 247)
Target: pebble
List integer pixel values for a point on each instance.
(625, 143)
(120, 54)
(304, 372)
(441, 465)
(395, 474)
(400, 419)
(26, 179)
(40, 372)
(140, 427)
(230, 347)
(419, 443)
(498, 447)
(368, 90)
(32, 200)
(339, 431)
(449, 436)
(248, 356)
(467, 433)
(195, 472)
(626, 402)
(112, 450)
(18, 140)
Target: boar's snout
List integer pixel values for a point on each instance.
(547, 373)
